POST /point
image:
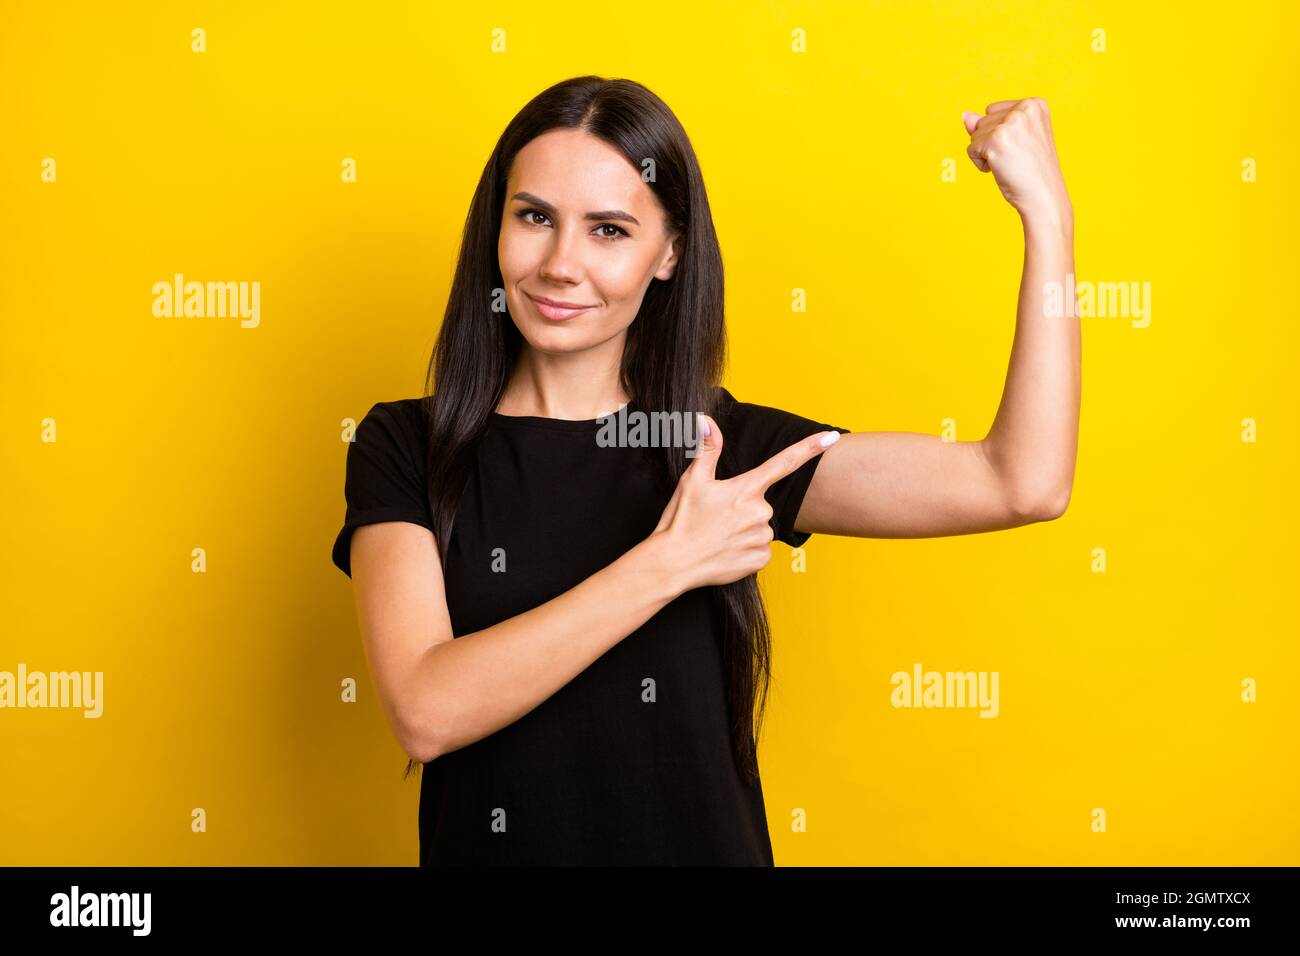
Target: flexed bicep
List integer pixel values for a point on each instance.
(910, 485)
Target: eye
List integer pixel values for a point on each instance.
(619, 232)
(524, 214)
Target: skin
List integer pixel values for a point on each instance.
(569, 369)
(907, 485)
(441, 694)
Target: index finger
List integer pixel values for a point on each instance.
(788, 460)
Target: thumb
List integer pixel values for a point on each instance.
(969, 120)
(707, 449)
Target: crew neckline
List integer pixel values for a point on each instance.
(556, 424)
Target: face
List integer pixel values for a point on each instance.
(581, 229)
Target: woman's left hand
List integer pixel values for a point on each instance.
(1014, 142)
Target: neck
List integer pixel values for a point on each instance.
(575, 386)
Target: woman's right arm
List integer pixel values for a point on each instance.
(441, 694)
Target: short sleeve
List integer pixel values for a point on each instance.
(754, 433)
(385, 470)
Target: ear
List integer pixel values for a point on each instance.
(669, 265)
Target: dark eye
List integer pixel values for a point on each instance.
(526, 215)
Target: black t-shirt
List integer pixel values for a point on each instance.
(602, 771)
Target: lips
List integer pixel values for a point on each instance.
(558, 311)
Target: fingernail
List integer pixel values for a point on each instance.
(704, 426)
(830, 438)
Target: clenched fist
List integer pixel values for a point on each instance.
(1013, 140)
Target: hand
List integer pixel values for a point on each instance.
(1014, 142)
(719, 530)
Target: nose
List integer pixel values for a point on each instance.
(560, 264)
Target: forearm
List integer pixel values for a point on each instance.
(1034, 437)
(469, 687)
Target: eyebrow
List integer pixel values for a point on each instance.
(550, 210)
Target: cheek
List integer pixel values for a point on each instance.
(514, 257)
(619, 277)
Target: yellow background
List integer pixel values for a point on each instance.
(222, 690)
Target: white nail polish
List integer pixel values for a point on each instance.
(830, 438)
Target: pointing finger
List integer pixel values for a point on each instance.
(788, 460)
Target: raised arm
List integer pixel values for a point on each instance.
(911, 485)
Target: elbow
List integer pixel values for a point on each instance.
(1028, 495)
(1043, 507)
(1058, 503)
(417, 736)
(421, 751)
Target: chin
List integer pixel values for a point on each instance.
(556, 339)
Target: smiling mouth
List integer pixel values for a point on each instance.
(555, 312)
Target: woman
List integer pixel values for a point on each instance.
(577, 660)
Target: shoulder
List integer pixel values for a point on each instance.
(401, 419)
(392, 435)
(729, 406)
(384, 479)
(751, 417)
(755, 431)
(406, 410)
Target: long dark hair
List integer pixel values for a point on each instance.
(673, 358)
